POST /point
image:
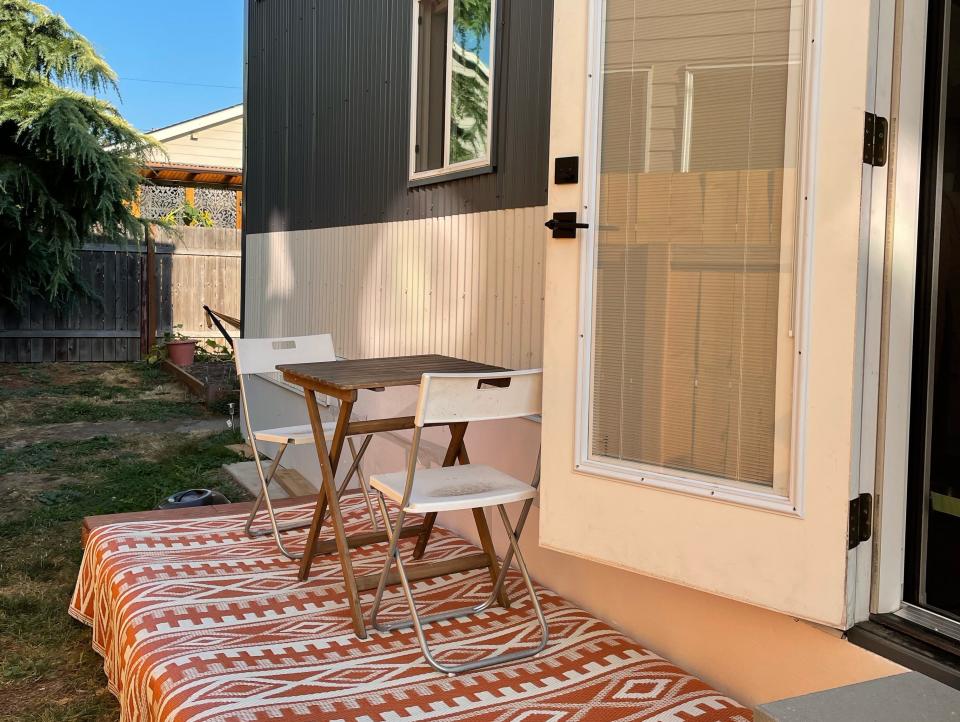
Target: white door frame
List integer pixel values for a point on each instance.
(869, 322)
(882, 591)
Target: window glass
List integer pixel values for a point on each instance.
(453, 77)
(470, 80)
(431, 84)
(692, 341)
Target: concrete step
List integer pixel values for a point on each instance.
(286, 483)
(899, 698)
(242, 450)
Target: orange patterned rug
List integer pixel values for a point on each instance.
(198, 623)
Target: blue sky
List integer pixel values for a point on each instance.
(168, 54)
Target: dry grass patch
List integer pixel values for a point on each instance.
(47, 668)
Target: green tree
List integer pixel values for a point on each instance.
(69, 163)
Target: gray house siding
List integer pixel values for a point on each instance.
(328, 107)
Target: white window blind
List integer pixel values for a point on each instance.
(692, 344)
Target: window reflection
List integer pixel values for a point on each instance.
(470, 80)
(692, 344)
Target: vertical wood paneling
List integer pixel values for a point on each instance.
(469, 285)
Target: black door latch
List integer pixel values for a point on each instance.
(564, 224)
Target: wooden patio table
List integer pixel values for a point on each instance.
(343, 380)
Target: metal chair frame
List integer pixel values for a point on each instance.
(393, 557)
(263, 498)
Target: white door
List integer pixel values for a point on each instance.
(704, 338)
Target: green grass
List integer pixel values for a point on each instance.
(55, 456)
(134, 410)
(34, 373)
(41, 554)
(87, 388)
(66, 393)
(47, 668)
(118, 482)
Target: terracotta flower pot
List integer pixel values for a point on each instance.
(181, 352)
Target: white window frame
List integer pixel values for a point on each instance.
(449, 168)
(701, 485)
(689, 97)
(648, 71)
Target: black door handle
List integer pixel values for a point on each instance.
(565, 225)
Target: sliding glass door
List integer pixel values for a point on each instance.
(932, 580)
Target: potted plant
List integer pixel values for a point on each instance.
(180, 349)
(188, 214)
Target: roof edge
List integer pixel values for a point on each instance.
(198, 123)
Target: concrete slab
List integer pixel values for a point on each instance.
(286, 483)
(909, 696)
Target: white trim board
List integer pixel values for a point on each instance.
(870, 294)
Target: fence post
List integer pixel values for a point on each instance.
(148, 295)
(142, 287)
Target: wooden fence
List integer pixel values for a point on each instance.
(193, 267)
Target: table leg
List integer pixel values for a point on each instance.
(486, 542)
(328, 495)
(455, 451)
(336, 449)
(421, 547)
(319, 438)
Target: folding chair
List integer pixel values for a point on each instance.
(260, 356)
(449, 398)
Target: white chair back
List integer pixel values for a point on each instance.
(451, 398)
(262, 355)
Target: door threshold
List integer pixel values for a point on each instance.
(910, 644)
(931, 620)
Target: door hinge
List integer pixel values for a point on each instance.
(875, 140)
(861, 520)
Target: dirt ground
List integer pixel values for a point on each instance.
(77, 440)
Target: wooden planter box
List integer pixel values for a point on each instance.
(211, 393)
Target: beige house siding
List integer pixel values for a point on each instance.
(467, 285)
(216, 145)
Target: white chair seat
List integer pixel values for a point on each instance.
(449, 488)
(293, 435)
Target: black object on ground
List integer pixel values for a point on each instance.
(193, 497)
